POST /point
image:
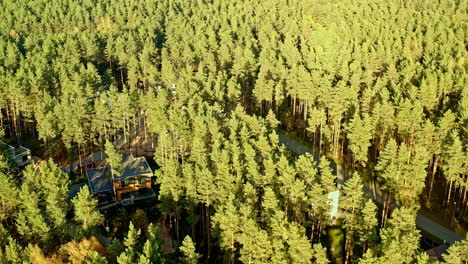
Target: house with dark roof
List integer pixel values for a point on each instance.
(20, 154)
(134, 182)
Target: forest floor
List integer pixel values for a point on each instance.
(336, 243)
(440, 230)
(169, 245)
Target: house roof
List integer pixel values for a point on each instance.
(134, 167)
(100, 180)
(20, 150)
(9, 149)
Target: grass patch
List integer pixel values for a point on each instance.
(335, 245)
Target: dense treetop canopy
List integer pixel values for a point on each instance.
(380, 86)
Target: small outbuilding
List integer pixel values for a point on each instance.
(20, 154)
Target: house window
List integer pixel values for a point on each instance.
(143, 180)
(123, 184)
(128, 182)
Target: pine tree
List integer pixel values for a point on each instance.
(299, 248)
(188, 251)
(320, 254)
(256, 246)
(152, 247)
(94, 257)
(327, 179)
(55, 185)
(368, 224)
(229, 223)
(453, 165)
(30, 222)
(457, 253)
(114, 158)
(320, 208)
(132, 246)
(351, 202)
(359, 136)
(400, 239)
(9, 199)
(14, 253)
(85, 210)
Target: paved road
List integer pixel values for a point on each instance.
(422, 222)
(300, 149)
(437, 230)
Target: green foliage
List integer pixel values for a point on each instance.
(368, 223)
(320, 254)
(94, 257)
(114, 158)
(9, 197)
(400, 238)
(359, 136)
(457, 253)
(31, 222)
(378, 84)
(256, 247)
(85, 209)
(51, 184)
(327, 179)
(454, 160)
(135, 251)
(402, 170)
(351, 201)
(368, 258)
(14, 253)
(132, 245)
(152, 247)
(188, 251)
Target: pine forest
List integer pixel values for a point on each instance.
(205, 131)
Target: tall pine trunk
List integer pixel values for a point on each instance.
(448, 198)
(312, 232)
(434, 170)
(208, 230)
(347, 248)
(384, 197)
(177, 225)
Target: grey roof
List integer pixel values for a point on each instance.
(134, 167)
(19, 150)
(437, 230)
(100, 180)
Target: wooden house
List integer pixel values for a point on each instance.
(133, 183)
